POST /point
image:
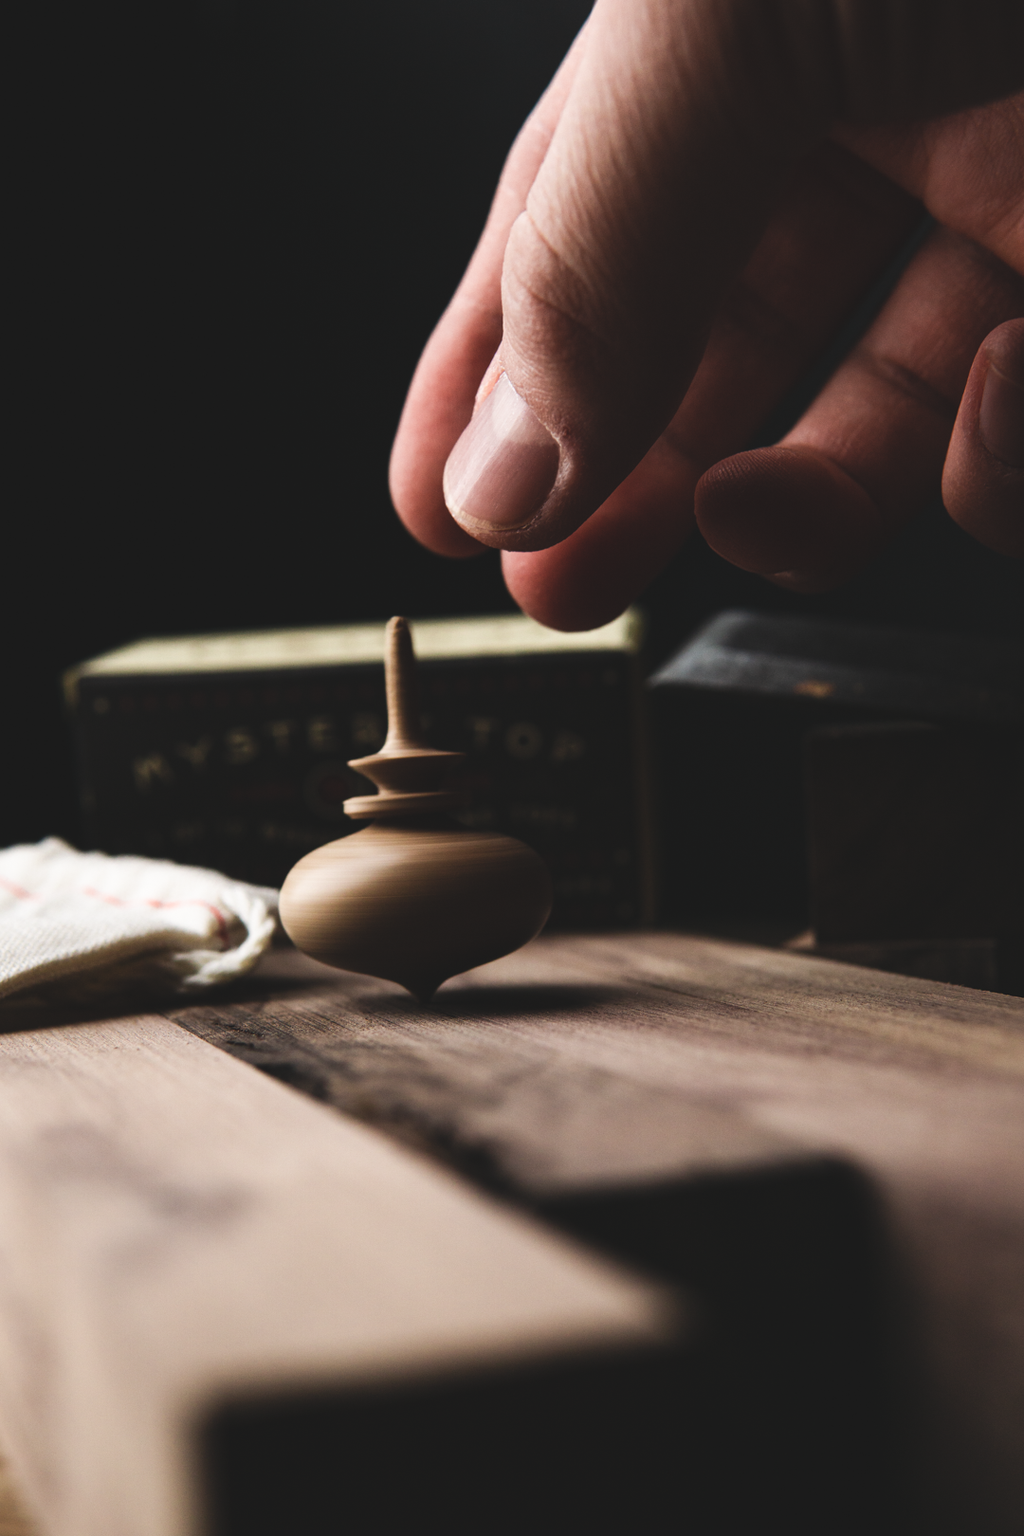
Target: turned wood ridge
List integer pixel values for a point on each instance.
(413, 897)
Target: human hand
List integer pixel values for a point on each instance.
(695, 205)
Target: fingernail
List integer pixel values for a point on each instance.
(1001, 418)
(503, 466)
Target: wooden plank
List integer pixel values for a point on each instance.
(179, 1233)
(585, 1075)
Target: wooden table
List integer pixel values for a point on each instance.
(647, 1232)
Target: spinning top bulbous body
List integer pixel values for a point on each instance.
(416, 902)
(413, 897)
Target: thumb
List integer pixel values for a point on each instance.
(684, 119)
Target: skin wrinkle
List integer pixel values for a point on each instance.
(955, 167)
(447, 378)
(585, 171)
(851, 475)
(602, 357)
(660, 132)
(908, 383)
(576, 286)
(1007, 247)
(622, 165)
(996, 273)
(593, 277)
(915, 320)
(524, 275)
(632, 197)
(749, 314)
(922, 388)
(519, 174)
(618, 348)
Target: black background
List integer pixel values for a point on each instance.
(233, 228)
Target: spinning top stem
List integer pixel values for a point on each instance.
(404, 730)
(407, 772)
(413, 897)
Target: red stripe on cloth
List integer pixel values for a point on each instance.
(120, 901)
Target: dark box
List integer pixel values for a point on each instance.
(230, 751)
(767, 772)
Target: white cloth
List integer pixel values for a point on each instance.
(77, 926)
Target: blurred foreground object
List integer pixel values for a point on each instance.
(229, 1311)
(865, 781)
(230, 750)
(414, 897)
(78, 927)
(218, 1294)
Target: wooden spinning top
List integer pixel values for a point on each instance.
(414, 897)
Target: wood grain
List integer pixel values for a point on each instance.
(177, 1231)
(605, 1067)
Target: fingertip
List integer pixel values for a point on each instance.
(983, 479)
(562, 591)
(415, 476)
(789, 514)
(537, 583)
(592, 576)
(437, 408)
(449, 540)
(422, 511)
